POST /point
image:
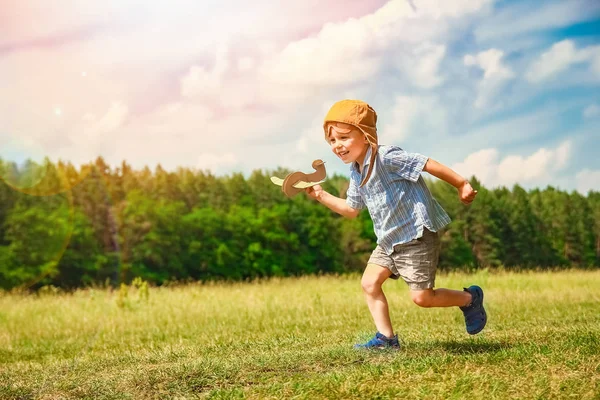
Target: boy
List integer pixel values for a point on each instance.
(387, 181)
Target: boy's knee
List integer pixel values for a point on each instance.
(370, 286)
(422, 298)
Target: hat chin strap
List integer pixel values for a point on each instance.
(374, 148)
(372, 140)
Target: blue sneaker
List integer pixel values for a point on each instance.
(475, 315)
(380, 342)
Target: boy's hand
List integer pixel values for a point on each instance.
(466, 193)
(314, 191)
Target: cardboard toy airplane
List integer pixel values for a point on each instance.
(296, 182)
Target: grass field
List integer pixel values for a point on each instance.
(292, 338)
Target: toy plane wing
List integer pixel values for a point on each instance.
(298, 185)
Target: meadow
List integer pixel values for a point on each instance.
(293, 338)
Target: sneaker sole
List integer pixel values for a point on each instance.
(484, 314)
(377, 348)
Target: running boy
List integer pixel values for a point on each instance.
(387, 181)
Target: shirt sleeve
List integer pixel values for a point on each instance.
(353, 198)
(406, 165)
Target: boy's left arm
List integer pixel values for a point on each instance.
(466, 193)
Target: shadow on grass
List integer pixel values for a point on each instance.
(470, 347)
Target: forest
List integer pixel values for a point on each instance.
(75, 227)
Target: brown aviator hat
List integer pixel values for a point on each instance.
(361, 115)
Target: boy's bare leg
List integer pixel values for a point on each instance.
(371, 282)
(440, 297)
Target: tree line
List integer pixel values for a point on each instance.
(74, 227)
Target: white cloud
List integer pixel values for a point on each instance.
(438, 9)
(324, 59)
(490, 61)
(560, 57)
(588, 180)
(562, 155)
(404, 111)
(514, 169)
(353, 52)
(412, 115)
(482, 164)
(537, 168)
(422, 64)
(200, 82)
(495, 74)
(591, 111)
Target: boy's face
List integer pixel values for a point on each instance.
(347, 142)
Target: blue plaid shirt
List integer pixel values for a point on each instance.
(396, 196)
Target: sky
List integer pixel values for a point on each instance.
(507, 91)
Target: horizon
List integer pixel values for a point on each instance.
(247, 174)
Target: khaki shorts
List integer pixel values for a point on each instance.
(415, 261)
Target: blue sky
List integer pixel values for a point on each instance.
(503, 90)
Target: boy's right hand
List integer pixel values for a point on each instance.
(314, 191)
(466, 193)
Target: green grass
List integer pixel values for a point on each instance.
(292, 338)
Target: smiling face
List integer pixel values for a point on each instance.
(347, 142)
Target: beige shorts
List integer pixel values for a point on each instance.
(415, 261)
